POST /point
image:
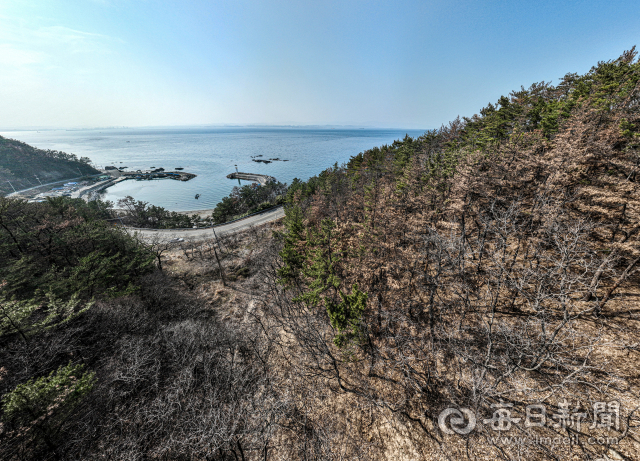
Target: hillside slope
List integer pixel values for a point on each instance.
(20, 163)
(490, 264)
(427, 301)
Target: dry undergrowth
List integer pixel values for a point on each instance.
(508, 281)
(346, 426)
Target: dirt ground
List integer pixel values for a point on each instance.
(202, 213)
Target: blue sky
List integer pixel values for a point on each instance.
(400, 64)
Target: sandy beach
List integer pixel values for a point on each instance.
(201, 213)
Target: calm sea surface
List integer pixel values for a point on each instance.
(211, 153)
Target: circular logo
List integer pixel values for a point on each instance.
(461, 421)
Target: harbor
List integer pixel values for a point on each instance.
(90, 188)
(117, 176)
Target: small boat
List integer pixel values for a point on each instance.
(197, 196)
(179, 168)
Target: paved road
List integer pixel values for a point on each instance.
(200, 234)
(61, 181)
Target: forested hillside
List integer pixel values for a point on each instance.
(20, 163)
(487, 271)
(491, 262)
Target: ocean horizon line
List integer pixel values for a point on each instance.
(204, 126)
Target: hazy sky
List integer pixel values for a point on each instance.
(405, 64)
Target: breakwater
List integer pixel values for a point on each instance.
(158, 174)
(90, 192)
(262, 179)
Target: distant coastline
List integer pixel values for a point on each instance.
(211, 153)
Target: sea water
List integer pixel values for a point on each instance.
(211, 154)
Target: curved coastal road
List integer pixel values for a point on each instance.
(164, 235)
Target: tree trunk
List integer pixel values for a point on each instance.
(224, 282)
(596, 277)
(625, 275)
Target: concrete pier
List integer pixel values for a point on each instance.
(263, 179)
(89, 192)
